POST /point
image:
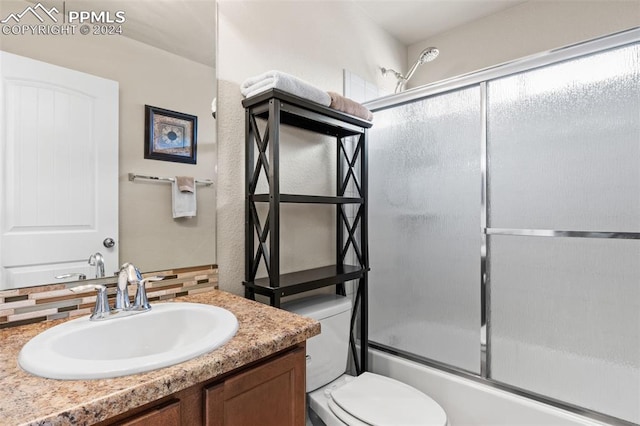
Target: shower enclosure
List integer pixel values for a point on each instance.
(504, 226)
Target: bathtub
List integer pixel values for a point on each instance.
(469, 403)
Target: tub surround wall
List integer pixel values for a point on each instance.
(263, 331)
(56, 301)
(522, 30)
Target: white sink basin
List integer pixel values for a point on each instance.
(168, 334)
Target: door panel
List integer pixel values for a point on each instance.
(59, 165)
(424, 221)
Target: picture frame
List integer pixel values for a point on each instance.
(170, 135)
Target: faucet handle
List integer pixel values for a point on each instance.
(122, 293)
(101, 310)
(141, 303)
(154, 278)
(80, 276)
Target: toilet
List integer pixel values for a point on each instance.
(338, 399)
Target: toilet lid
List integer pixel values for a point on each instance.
(345, 417)
(382, 401)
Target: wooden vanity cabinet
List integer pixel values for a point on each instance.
(165, 414)
(269, 393)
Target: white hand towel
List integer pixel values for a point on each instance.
(184, 203)
(285, 82)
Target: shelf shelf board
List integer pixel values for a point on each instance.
(310, 279)
(308, 199)
(302, 113)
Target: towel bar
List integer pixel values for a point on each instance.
(133, 176)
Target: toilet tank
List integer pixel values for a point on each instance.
(328, 352)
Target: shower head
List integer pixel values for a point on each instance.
(428, 55)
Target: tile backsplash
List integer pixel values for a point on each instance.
(56, 301)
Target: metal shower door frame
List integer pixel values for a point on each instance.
(481, 78)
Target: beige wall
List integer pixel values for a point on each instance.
(149, 236)
(314, 41)
(522, 30)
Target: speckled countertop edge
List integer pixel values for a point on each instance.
(29, 400)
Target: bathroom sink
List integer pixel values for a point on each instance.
(168, 334)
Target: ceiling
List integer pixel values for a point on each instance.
(193, 21)
(184, 27)
(188, 27)
(411, 21)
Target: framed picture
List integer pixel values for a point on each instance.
(170, 135)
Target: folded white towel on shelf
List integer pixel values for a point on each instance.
(285, 82)
(183, 202)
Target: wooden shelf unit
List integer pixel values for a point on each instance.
(262, 240)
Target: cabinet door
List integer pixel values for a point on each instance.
(166, 415)
(272, 394)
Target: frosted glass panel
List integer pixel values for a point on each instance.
(564, 145)
(565, 320)
(424, 228)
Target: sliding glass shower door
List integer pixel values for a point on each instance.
(556, 149)
(564, 178)
(424, 228)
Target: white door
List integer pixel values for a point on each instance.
(58, 171)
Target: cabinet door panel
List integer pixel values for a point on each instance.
(214, 405)
(272, 394)
(166, 415)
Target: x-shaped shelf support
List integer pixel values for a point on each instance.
(262, 143)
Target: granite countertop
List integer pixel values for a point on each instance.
(30, 400)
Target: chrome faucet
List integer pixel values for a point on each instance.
(128, 274)
(101, 310)
(98, 261)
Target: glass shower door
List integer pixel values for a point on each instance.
(424, 228)
(564, 212)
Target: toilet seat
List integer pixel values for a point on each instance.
(374, 400)
(344, 417)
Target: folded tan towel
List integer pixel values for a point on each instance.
(349, 106)
(185, 183)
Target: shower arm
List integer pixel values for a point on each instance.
(402, 80)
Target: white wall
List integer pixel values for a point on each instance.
(314, 41)
(522, 30)
(149, 236)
